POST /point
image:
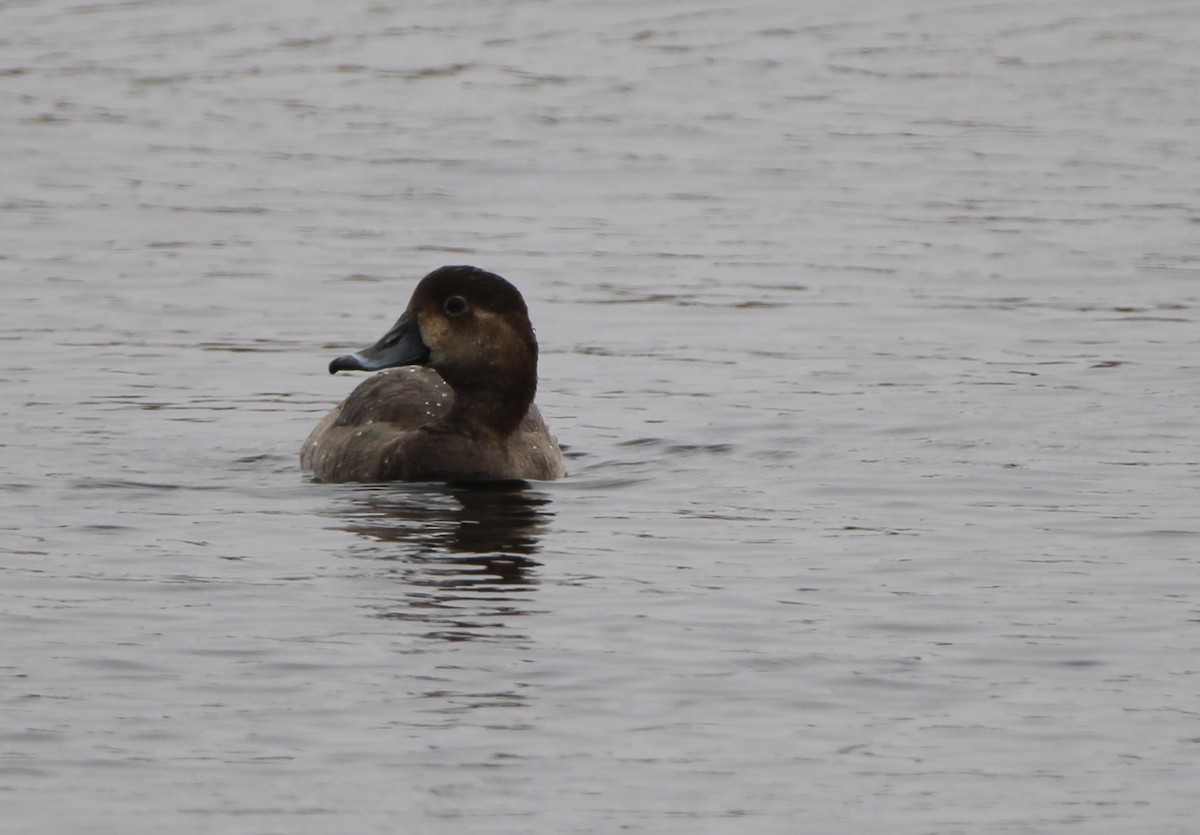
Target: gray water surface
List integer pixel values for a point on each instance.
(870, 330)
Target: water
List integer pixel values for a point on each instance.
(870, 330)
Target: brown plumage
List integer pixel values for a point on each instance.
(461, 407)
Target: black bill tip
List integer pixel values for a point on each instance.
(349, 362)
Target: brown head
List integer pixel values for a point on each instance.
(472, 327)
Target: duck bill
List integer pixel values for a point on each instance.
(402, 345)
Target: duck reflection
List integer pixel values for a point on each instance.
(464, 552)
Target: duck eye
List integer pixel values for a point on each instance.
(455, 305)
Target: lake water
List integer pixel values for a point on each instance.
(870, 329)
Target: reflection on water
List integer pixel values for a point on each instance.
(874, 325)
(462, 553)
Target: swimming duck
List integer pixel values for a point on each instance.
(457, 404)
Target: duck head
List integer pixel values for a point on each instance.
(469, 325)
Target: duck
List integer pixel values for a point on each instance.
(453, 397)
